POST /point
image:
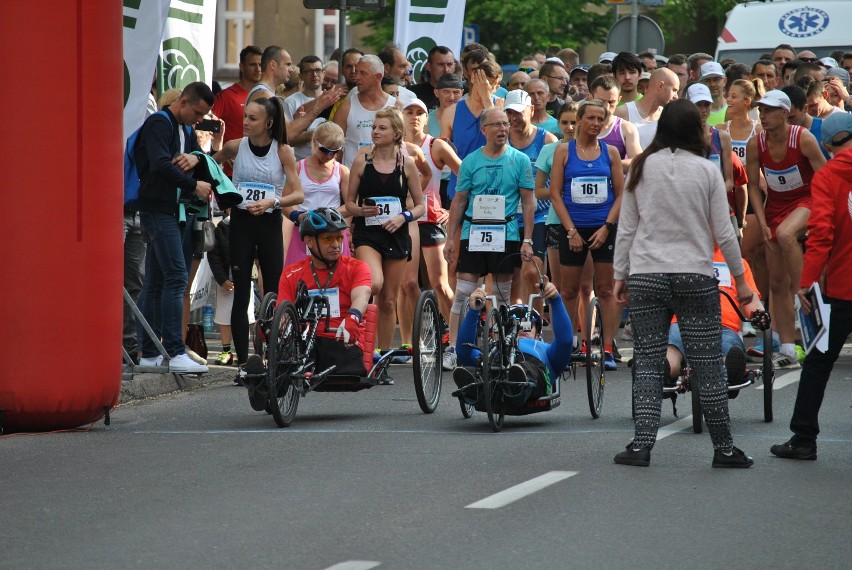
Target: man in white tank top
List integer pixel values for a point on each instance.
(356, 114)
(644, 114)
(276, 66)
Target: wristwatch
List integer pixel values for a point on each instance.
(529, 241)
(277, 203)
(610, 225)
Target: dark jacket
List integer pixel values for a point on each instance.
(219, 257)
(158, 144)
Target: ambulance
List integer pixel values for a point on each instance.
(755, 28)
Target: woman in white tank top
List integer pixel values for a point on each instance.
(265, 175)
(323, 180)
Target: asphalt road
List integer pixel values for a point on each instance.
(366, 480)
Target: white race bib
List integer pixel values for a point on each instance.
(487, 238)
(333, 295)
(739, 148)
(389, 207)
(722, 273)
(716, 160)
(589, 189)
(489, 208)
(254, 191)
(784, 180)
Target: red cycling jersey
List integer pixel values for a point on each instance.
(788, 180)
(348, 274)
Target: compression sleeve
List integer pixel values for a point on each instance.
(467, 335)
(559, 351)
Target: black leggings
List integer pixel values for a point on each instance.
(250, 236)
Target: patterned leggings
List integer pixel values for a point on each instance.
(694, 298)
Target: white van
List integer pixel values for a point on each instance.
(755, 28)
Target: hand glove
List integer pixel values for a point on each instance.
(349, 330)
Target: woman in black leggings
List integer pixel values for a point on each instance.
(265, 174)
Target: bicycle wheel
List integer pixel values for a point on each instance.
(260, 331)
(426, 352)
(768, 374)
(285, 355)
(696, 405)
(491, 347)
(466, 409)
(594, 357)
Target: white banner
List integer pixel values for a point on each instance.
(144, 20)
(421, 25)
(186, 53)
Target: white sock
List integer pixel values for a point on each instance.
(788, 348)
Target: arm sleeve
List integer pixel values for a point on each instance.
(467, 335)
(820, 230)
(559, 351)
(720, 222)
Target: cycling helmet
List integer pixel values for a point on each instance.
(320, 221)
(519, 312)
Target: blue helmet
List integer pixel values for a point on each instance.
(320, 221)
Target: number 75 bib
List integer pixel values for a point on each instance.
(487, 238)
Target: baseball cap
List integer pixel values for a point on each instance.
(644, 75)
(834, 124)
(417, 103)
(711, 69)
(829, 62)
(555, 60)
(607, 56)
(517, 100)
(699, 92)
(774, 98)
(841, 73)
(582, 67)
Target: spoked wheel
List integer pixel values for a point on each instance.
(595, 357)
(426, 352)
(466, 409)
(494, 367)
(284, 356)
(768, 375)
(263, 324)
(696, 404)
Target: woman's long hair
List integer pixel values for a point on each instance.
(275, 110)
(679, 127)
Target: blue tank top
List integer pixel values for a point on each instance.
(584, 187)
(467, 136)
(716, 149)
(533, 150)
(816, 130)
(615, 139)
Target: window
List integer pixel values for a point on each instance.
(234, 31)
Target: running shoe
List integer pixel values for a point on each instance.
(635, 456)
(609, 362)
(757, 349)
(789, 450)
(402, 358)
(377, 354)
(183, 364)
(748, 329)
(734, 459)
(152, 361)
(449, 359)
(225, 358)
(627, 331)
(781, 360)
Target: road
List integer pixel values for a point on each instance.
(359, 481)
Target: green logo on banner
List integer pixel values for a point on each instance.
(126, 82)
(181, 64)
(418, 53)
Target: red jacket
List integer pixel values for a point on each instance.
(829, 245)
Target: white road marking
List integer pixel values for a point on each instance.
(674, 427)
(521, 490)
(355, 565)
(784, 380)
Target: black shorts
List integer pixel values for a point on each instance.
(395, 245)
(431, 234)
(604, 254)
(539, 238)
(483, 263)
(445, 200)
(554, 232)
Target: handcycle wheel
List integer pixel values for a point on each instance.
(426, 352)
(491, 347)
(466, 409)
(264, 318)
(594, 358)
(696, 404)
(285, 352)
(768, 375)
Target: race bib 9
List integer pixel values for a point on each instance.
(784, 180)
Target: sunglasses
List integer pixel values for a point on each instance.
(326, 239)
(808, 59)
(526, 69)
(329, 151)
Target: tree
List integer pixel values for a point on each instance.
(681, 17)
(512, 28)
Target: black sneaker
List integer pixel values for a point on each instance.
(638, 457)
(789, 450)
(615, 354)
(517, 374)
(735, 364)
(736, 460)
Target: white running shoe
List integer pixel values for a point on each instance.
(449, 360)
(748, 329)
(152, 361)
(183, 364)
(781, 360)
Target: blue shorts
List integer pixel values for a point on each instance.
(729, 339)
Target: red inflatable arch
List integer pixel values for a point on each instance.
(62, 270)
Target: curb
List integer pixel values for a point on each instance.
(144, 386)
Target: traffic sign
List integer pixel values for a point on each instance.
(650, 36)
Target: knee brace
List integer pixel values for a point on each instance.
(504, 292)
(463, 291)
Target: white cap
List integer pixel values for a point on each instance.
(607, 56)
(517, 100)
(711, 69)
(554, 59)
(829, 62)
(644, 75)
(417, 103)
(774, 98)
(698, 92)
